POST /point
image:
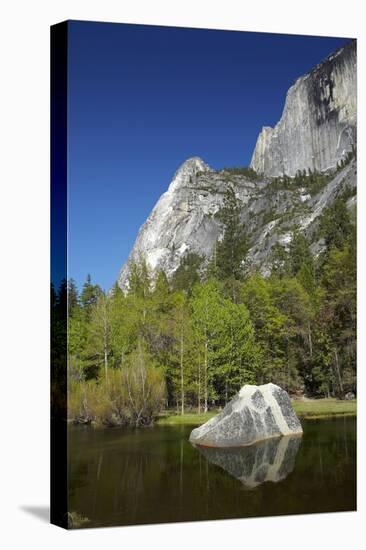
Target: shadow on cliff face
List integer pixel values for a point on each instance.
(271, 460)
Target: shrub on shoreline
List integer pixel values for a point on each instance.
(129, 396)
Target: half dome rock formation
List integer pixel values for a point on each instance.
(318, 124)
(272, 460)
(256, 413)
(317, 129)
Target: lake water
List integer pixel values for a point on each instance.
(123, 477)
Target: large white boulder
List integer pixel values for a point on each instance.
(256, 413)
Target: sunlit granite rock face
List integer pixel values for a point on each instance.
(174, 224)
(317, 129)
(272, 460)
(184, 219)
(318, 123)
(256, 413)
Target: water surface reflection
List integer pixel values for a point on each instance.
(124, 477)
(270, 460)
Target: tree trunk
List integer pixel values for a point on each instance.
(181, 371)
(338, 373)
(205, 379)
(106, 362)
(310, 342)
(199, 385)
(105, 339)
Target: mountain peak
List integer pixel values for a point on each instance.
(317, 128)
(195, 163)
(187, 172)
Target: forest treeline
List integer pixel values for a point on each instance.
(192, 341)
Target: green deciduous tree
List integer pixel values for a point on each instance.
(269, 325)
(207, 324)
(99, 333)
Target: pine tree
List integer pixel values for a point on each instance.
(335, 224)
(299, 254)
(61, 302)
(140, 279)
(89, 295)
(232, 249)
(187, 273)
(72, 297)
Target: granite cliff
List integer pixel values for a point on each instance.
(184, 219)
(317, 130)
(318, 125)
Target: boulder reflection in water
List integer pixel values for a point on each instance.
(270, 460)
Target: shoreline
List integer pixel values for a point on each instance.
(309, 409)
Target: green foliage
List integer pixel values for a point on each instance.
(77, 338)
(279, 260)
(312, 181)
(58, 315)
(72, 297)
(191, 342)
(230, 252)
(130, 395)
(246, 171)
(300, 254)
(188, 272)
(311, 408)
(347, 159)
(318, 408)
(225, 339)
(140, 279)
(269, 216)
(348, 192)
(208, 324)
(89, 295)
(269, 326)
(335, 224)
(337, 319)
(238, 354)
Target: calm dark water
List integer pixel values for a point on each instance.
(124, 477)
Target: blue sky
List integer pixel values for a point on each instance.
(143, 99)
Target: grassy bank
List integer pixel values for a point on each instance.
(318, 408)
(309, 408)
